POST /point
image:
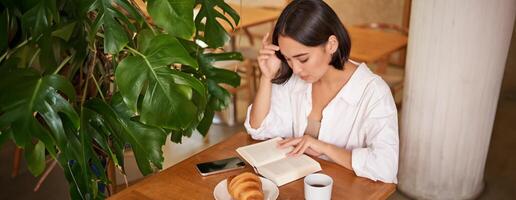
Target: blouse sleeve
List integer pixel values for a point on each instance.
(379, 159)
(278, 122)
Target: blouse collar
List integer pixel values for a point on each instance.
(351, 92)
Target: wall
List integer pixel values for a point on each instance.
(509, 78)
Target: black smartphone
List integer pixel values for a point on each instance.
(218, 166)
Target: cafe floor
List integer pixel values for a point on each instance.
(500, 173)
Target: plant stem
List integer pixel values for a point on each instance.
(98, 87)
(3, 56)
(34, 94)
(74, 180)
(148, 65)
(34, 57)
(100, 34)
(63, 63)
(90, 73)
(141, 55)
(9, 53)
(135, 51)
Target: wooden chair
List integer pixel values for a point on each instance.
(246, 69)
(266, 4)
(392, 72)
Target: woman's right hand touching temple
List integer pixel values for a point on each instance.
(267, 60)
(269, 66)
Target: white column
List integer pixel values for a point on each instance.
(456, 57)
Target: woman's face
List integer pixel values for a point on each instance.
(309, 63)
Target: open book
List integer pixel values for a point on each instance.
(272, 162)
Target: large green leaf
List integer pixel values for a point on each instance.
(47, 58)
(168, 93)
(102, 133)
(165, 50)
(220, 97)
(174, 16)
(57, 114)
(205, 123)
(206, 61)
(214, 33)
(35, 157)
(28, 94)
(115, 37)
(146, 141)
(65, 32)
(89, 163)
(81, 163)
(41, 17)
(144, 38)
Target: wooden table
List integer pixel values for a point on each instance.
(182, 181)
(252, 16)
(374, 46)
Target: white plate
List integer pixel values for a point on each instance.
(270, 191)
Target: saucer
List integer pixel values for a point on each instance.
(270, 190)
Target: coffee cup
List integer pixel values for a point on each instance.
(318, 187)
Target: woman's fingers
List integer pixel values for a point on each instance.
(267, 45)
(301, 145)
(291, 142)
(265, 38)
(296, 150)
(263, 57)
(302, 149)
(267, 51)
(271, 47)
(281, 142)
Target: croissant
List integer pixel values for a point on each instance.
(246, 186)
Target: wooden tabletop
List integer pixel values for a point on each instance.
(182, 181)
(372, 45)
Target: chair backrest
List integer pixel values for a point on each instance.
(385, 26)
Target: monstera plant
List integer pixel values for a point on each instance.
(82, 80)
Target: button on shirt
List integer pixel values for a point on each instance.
(362, 118)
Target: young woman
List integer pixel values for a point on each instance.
(321, 102)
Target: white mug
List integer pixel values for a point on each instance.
(318, 187)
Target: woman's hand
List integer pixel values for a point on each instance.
(306, 144)
(267, 60)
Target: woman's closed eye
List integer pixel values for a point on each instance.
(303, 60)
(300, 59)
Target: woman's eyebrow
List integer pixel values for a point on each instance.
(299, 55)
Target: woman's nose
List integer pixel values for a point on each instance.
(296, 68)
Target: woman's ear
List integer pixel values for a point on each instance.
(332, 44)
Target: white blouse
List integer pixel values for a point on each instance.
(362, 118)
